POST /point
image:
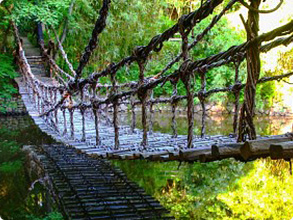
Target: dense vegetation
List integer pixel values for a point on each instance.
(218, 190)
(131, 23)
(7, 73)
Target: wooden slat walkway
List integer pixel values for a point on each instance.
(161, 146)
(87, 188)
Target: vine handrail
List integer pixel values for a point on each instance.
(81, 94)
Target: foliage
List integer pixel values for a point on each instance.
(7, 73)
(218, 190)
(285, 61)
(10, 155)
(132, 23)
(50, 216)
(268, 186)
(49, 12)
(16, 200)
(128, 30)
(11, 167)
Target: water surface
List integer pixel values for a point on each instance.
(18, 199)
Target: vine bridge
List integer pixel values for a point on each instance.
(78, 112)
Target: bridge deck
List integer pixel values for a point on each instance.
(160, 146)
(87, 188)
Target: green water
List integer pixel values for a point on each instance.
(215, 124)
(174, 185)
(17, 200)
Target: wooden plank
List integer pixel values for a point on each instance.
(196, 154)
(260, 148)
(283, 150)
(227, 150)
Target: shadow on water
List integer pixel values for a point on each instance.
(17, 200)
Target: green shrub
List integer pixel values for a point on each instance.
(225, 189)
(7, 73)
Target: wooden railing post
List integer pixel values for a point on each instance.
(82, 112)
(133, 114)
(151, 113)
(246, 125)
(115, 111)
(174, 105)
(142, 95)
(185, 75)
(64, 121)
(190, 107)
(71, 111)
(236, 93)
(202, 98)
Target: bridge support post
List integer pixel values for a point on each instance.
(185, 75)
(96, 116)
(38, 103)
(55, 102)
(142, 95)
(116, 126)
(82, 112)
(143, 98)
(246, 125)
(174, 105)
(115, 111)
(40, 35)
(190, 108)
(71, 123)
(151, 113)
(202, 98)
(236, 92)
(42, 101)
(64, 121)
(133, 114)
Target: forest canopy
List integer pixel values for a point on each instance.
(133, 23)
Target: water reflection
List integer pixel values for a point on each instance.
(17, 199)
(216, 124)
